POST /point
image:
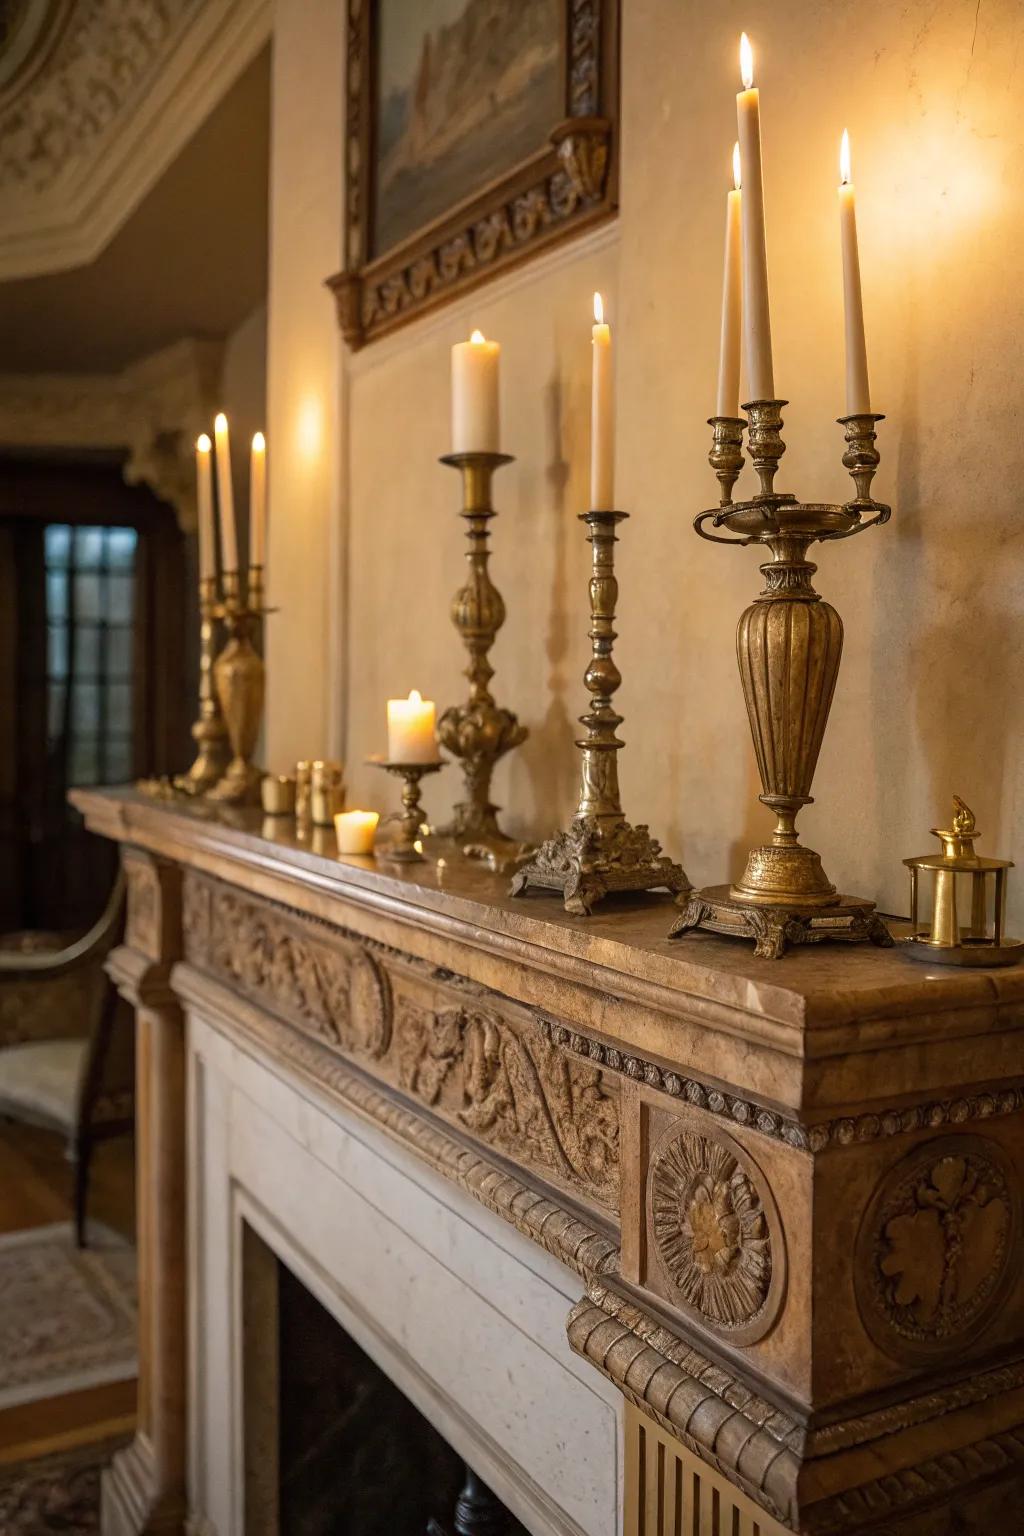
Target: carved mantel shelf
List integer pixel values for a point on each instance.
(792, 1194)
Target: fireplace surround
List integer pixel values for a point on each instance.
(658, 1238)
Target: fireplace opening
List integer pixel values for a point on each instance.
(332, 1446)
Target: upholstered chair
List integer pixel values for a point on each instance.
(67, 1042)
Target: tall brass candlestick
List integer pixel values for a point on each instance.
(479, 732)
(601, 852)
(239, 675)
(209, 731)
(788, 644)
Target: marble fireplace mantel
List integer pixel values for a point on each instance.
(780, 1201)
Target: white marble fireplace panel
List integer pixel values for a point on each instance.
(464, 1314)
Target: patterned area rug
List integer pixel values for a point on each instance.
(56, 1495)
(67, 1317)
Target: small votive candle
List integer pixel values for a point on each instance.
(411, 737)
(355, 831)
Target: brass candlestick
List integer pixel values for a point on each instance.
(945, 942)
(408, 849)
(601, 852)
(239, 675)
(479, 731)
(788, 644)
(209, 731)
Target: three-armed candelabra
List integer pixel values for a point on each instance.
(788, 645)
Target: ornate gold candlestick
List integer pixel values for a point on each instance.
(239, 676)
(788, 645)
(601, 852)
(408, 849)
(479, 731)
(209, 731)
(945, 941)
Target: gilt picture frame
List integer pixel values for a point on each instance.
(476, 135)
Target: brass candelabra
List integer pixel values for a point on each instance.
(209, 731)
(788, 645)
(239, 676)
(601, 852)
(479, 732)
(407, 849)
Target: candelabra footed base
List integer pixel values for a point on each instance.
(474, 832)
(597, 858)
(211, 739)
(774, 929)
(239, 785)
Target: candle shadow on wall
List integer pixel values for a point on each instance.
(757, 819)
(548, 754)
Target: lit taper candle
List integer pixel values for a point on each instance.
(258, 501)
(225, 494)
(204, 489)
(858, 396)
(475, 419)
(757, 329)
(728, 399)
(602, 416)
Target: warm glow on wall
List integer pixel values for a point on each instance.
(309, 428)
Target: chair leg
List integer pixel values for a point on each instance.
(81, 1158)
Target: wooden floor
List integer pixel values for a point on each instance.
(35, 1190)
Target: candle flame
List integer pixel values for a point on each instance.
(598, 309)
(478, 338)
(259, 443)
(737, 178)
(203, 444)
(415, 697)
(746, 62)
(844, 158)
(220, 423)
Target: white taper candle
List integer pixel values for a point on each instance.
(602, 416)
(727, 402)
(757, 328)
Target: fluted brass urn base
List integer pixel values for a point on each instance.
(773, 929)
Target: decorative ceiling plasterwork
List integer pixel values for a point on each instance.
(89, 123)
(154, 410)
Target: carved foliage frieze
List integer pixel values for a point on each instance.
(469, 1055)
(938, 1247)
(142, 926)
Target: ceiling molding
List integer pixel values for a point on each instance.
(94, 128)
(153, 411)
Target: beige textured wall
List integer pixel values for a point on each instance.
(927, 701)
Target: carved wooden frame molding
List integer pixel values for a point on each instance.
(564, 187)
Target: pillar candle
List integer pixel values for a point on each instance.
(858, 398)
(727, 402)
(355, 831)
(475, 395)
(258, 501)
(757, 328)
(204, 484)
(602, 416)
(225, 494)
(411, 737)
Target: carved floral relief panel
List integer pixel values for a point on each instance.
(470, 1056)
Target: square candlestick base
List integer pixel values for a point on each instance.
(594, 859)
(851, 920)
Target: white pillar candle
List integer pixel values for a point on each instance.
(225, 494)
(475, 395)
(355, 831)
(204, 488)
(858, 396)
(258, 501)
(602, 416)
(727, 401)
(411, 737)
(757, 329)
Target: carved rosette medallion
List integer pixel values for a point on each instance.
(715, 1233)
(938, 1247)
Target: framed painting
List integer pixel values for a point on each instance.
(477, 133)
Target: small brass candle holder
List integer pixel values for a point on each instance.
(209, 731)
(407, 849)
(946, 942)
(479, 732)
(277, 792)
(239, 676)
(601, 852)
(788, 644)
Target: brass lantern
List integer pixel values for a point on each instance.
(948, 941)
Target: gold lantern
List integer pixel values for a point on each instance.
(948, 941)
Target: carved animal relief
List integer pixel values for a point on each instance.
(711, 1231)
(935, 1248)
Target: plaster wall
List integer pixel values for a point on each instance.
(927, 701)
